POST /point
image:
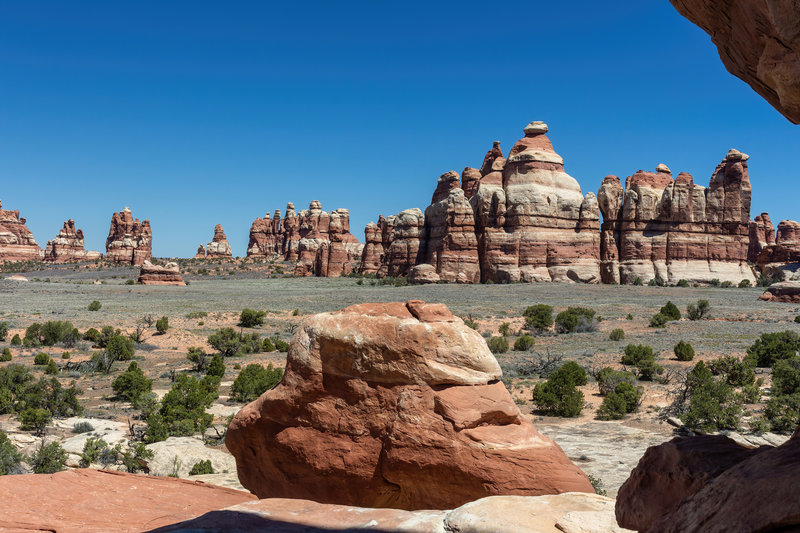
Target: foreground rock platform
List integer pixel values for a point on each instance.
(87, 500)
(393, 405)
(563, 513)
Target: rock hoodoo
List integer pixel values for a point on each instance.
(169, 274)
(780, 259)
(758, 41)
(393, 405)
(129, 241)
(218, 247)
(69, 246)
(762, 234)
(673, 229)
(16, 240)
(201, 252)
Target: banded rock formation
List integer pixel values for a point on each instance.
(762, 234)
(201, 252)
(758, 41)
(169, 274)
(393, 405)
(781, 259)
(266, 236)
(129, 241)
(673, 229)
(16, 240)
(218, 247)
(69, 246)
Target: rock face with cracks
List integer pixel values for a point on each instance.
(129, 241)
(393, 405)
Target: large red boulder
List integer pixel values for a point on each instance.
(393, 405)
(169, 274)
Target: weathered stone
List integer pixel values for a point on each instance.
(451, 243)
(784, 291)
(326, 247)
(16, 240)
(129, 241)
(219, 246)
(373, 248)
(405, 234)
(423, 274)
(201, 252)
(393, 405)
(781, 259)
(266, 237)
(762, 234)
(68, 246)
(169, 274)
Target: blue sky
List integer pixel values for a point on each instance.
(198, 113)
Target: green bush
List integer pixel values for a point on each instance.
(656, 282)
(629, 317)
(3, 331)
(659, 320)
(713, 404)
(183, 408)
(566, 322)
(15, 340)
(786, 377)
(671, 311)
(132, 384)
(6, 355)
(41, 359)
(199, 357)
(497, 345)
(684, 351)
(638, 281)
(216, 367)
(280, 345)
(682, 283)
(772, 347)
(608, 379)
(201, 468)
(504, 329)
(538, 318)
(559, 395)
(574, 319)
(48, 459)
(617, 334)
(783, 412)
(229, 343)
(162, 325)
(745, 283)
(699, 310)
(95, 305)
(120, 348)
(51, 368)
(92, 335)
(250, 318)
(267, 345)
(10, 458)
(35, 419)
(643, 359)
(253, 381)
(470, 323)
(82, 427)
(622, 400)
(91, 451)
(797, 319)
(524, 343)
(734, 371)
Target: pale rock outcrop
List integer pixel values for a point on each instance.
(326, 247)
(201, 252)
(758, 41)
(405, 235)
(129, 241)
(783, 291)
(169, 274)
(68, 246)
(266, 237)
(16, 240)
(423, 274)
(219, 246)
(393, 405)
(673, 229)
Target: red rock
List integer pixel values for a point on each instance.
(404, 243)
(492, 156)
(373, 248)
(658, 227)
(68, 246)
(781, 259)
(326, 247)
(86, 500)
(169, 274)
(423, 274)
(291, 233)
(451, 244)
(784, 291)
(201, 252)
(757, 42)
(219, 246)
(129, 241)
(470, 181)
(393, 405)
(266, 237)
(762, 234)
(16, 240)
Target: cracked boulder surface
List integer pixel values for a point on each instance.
(393, 405)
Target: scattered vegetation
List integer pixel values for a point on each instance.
(617, 334)
(699, 310)
(201, 468)
(95, 306)
(643, 359)
(559, 395)
(524, 343)
(538, 318)
(253, 381)
(250, 318)
(683, 351)
(497, 345)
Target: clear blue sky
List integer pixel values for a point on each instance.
(196, 113)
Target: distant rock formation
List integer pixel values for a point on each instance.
(68, 246)
(758, 41)
(266, 237)
(129, 241)
(783, 291)
(762, 234)
(373, 247)
(781, 258)
(218, 247)
(16, 240)
(169, 274)
(393, 405)
(673, 229)
(201, 252)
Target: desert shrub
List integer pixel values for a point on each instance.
(629, 317)
(35, 419)
(120, 348)
(683, 351)
(786, 377)
(201, 467)
(713, 404)
(734, 371)
(559, 395)
(280, 345)
(470, 323)
(216, 367)
(671, 311)
(250, 318)
(575, 319)
(10, 458)
(105, 335)
(783, 412)
(699, 310)
(16, 340)
(797, 319)
(637, 281)
(3, 331)
(643, 359)
(608, 379)
(162, 325)
(524, 343)
(772, 347)
(715, 282)
(56, 331)
(745, 283)
(6, 355)
(566, 322)
(657, 282)
(682, 283)
(617, 334)
(659, 320)
(497, 345)
(622, 400)
(229, 343)
(504, 329)
(197, 314)
(91, 451)
(132, 384)
(82, 427)
(51, 368)
(538, 318)
(41, 359)
(199, 357)
(92, 335)
(48, 459)
(253, 381)
(183, 408)
(267, 346)
(136, 456)
(95, 306)
(65, 355)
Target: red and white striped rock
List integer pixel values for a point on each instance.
(219, 246)
(16, 240)
(129, 241)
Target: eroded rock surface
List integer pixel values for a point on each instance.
(219, 246)
(393, 405)
(169, 274)
(16, 240)
(780, 259)
(783, 291)
(129, 241)
(68, 246)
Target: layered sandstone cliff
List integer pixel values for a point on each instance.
(670, 228)
(219, 246)
(129, 241)
(781, 258)
(325, 246)
(68, 246)
(16, 240)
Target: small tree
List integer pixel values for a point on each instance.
(713, 404)
(41, 359)
(216, 367)
(538, 318)
(772, 347)
(559, 395)
(3, 331)
(16, 340)
(608, 379)
(201, 468)
(48, 459)
(659, 320)
(132, 384)
(199, 357)
(10, 458)
(624, 399)
(643, 358)
(6, 355)
(504, 329)
(250, 318)
(684, 351)
(35, 419)
(617, 334)
(497, 345)
(671, 311)
(524, 343)
(253, 381)
(162, 325)
(95, 305)
(699, 310)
